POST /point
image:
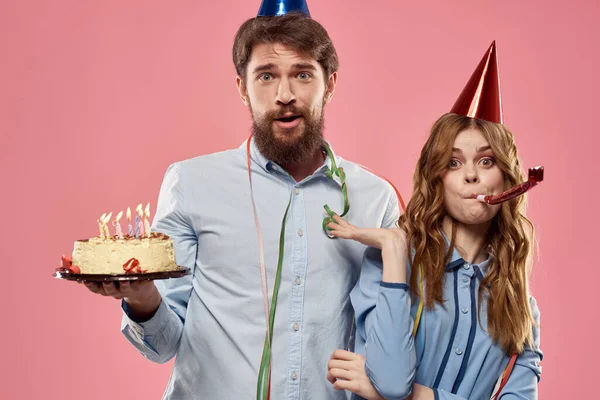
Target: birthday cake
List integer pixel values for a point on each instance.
(139, 251)
(128, 255)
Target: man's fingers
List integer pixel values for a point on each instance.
(125, 288)
(110, 289)
(117, 290)
(95, 287)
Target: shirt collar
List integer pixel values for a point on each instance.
(257, 157)
(457, 261)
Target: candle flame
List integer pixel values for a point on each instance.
(147, 210)
(107, 218)
(119, 215)
(128, 214)
(139, 210)
(102, 217)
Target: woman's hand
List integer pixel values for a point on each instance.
(346, 371)
(374, 237)
(392, 243)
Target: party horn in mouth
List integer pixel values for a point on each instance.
(536, 175)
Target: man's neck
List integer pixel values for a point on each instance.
(299, 171)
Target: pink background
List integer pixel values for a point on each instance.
(98, 98)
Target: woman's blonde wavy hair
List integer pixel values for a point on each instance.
(510, 237)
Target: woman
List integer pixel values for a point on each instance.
(468, 269)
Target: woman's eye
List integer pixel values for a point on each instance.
(487, 161)
(453, 163)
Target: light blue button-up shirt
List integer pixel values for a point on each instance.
(213, 321)
(452, 352)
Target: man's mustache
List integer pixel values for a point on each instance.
(282, 111)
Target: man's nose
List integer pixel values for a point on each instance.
(285, 94)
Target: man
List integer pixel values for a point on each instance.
(223, 225)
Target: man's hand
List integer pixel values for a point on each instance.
(142, 297)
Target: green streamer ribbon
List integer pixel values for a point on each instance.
(339, 172)
(264, 375)
(263, 386)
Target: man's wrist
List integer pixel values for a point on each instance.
(142, 309)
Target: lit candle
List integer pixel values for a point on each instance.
(147, 219)
(117, 225)
(139, 224)
(129, 221)
(105, 225)
(100, 227)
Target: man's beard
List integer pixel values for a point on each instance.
(283, 151)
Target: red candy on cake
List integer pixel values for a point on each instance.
(67, 266)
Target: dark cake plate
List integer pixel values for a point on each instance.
(146, 276)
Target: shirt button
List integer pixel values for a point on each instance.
(465, 279)
(298, 281)
(295, 327)
(465, 310)
(297, 191)
(466, 266)
(458, 352)
(294, 375)
(300, 233)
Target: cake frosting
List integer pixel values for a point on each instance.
(123, 255)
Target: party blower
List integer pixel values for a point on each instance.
(536, 175)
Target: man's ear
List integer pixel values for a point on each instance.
(241, 86)
(331, 82)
